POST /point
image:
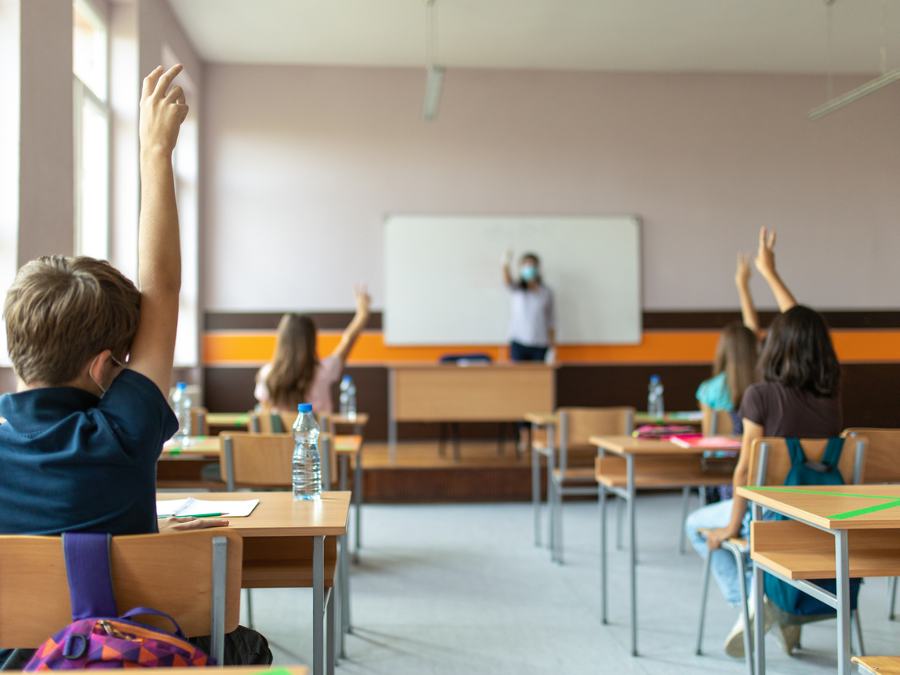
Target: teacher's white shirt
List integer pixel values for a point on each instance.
(532, 317)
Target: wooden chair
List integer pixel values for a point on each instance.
(195, 577)
(882, 466)
(770, 463)
(573, 473)
(272, 423)
(716, 422)
(199, 422)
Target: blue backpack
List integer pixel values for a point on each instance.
(806, 472)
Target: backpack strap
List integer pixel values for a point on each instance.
(833, 453)
(90, 575)
(795, 450)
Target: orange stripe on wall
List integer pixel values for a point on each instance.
(253, 348)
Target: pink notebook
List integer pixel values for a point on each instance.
(707, 442)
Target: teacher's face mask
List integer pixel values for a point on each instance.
(528, 272)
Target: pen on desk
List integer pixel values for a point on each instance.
(199, 515)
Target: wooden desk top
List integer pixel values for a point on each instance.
(878, 665)
(347, 444)
(198, 446)
(280, 515)
(541, 419)
(688, 417)
(228, 419)
(361, 419)
(834, 507)
(527, 365)
(628, 445)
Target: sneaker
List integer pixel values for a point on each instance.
(734, 643)
(788, 637)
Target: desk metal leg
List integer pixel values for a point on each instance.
(342, 481)
(842, 569)
(392, 417)
(318, 605)
(357, 500)
(551, 501)
(330, 632)
(536, 494)
(344, 571)
(602, 498)
(759, 593)
(632, 553)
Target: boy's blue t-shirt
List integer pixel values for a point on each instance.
(72, 462)
(714, 393)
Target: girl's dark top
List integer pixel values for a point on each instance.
(791, 412)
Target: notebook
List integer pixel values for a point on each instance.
(195, 507)
(707, 442)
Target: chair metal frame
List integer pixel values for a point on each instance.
(739, 548)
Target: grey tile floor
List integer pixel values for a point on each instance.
(461, 588)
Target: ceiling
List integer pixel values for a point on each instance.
(784, 36)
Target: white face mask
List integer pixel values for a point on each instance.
(90, 373)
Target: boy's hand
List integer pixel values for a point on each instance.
(742, 276)
(362, 299)
(186, 524)
(765, 257)
(162, 110)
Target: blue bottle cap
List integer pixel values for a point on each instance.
(181, 385)
(304, 407)
(654, 378)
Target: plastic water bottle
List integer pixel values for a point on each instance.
(307, 464)
(181, 404)
(655, 405)
(348, 397)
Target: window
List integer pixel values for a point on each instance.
(90, 59)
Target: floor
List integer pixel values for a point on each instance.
(461, 588)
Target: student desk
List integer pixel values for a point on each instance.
(293, 544)
(345, 449)
(642, 463)
(503, 392)
(228, 421)
(837, 532)
(333, 420)
(687, 418)
(877, 665)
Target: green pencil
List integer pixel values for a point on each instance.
(199, 515)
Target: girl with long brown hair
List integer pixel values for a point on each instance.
(296, 374)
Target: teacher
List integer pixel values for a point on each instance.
(532, 323)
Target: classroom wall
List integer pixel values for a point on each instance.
(302, 163)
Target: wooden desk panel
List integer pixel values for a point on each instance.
(494, 393)
(878, 665)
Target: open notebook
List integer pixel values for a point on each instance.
(200, 507)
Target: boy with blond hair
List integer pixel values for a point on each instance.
(93, 358)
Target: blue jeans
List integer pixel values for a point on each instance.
(723, 567)
(519, 352)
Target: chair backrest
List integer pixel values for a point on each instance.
(256, 460)
(271, 423)
(575, 426)
(199, 421)
(776, 460)
(716, 423)
(882, 453)
(172, 573)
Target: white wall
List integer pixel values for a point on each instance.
(303, 163)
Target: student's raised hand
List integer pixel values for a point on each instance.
(362, 299)
(507, 259)
(162, 110)
(742, 276)
(765, 256)
(187, 524)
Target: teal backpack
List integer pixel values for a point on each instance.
(807, 472)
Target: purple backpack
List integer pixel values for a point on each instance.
(98, 636)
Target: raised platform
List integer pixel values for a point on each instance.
(421, 474)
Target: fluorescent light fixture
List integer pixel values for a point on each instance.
(855, 94)
(432, 92)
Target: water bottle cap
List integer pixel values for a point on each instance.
(181, 385)
(304, 407)
(654, 378)
(346, 378)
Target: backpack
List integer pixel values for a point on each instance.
(805, 472)
(98, 636)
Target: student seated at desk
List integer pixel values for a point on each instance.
(799, 397)
(734, 368)
(296, 375)
(93, 358)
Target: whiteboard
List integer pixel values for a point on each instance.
(444, 283)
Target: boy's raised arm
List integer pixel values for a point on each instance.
(159, 244)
